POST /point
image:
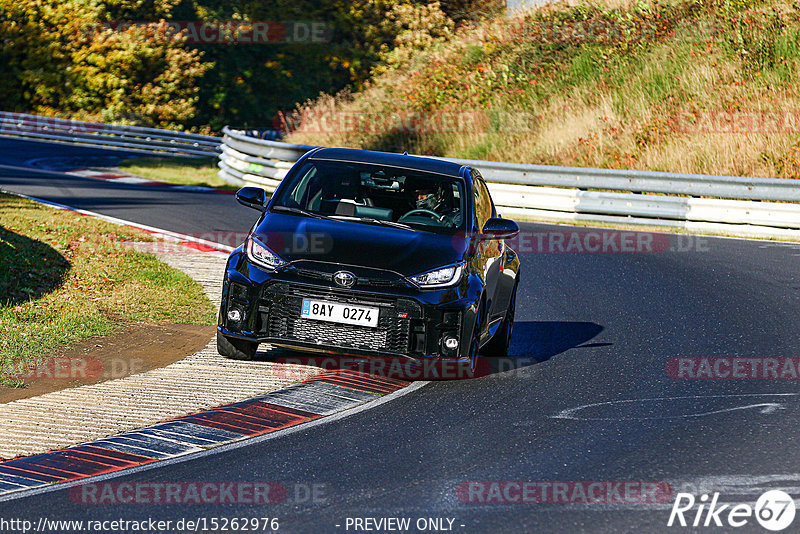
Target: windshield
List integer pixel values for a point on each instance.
(374, 194)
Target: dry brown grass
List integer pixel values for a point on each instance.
(656, 103)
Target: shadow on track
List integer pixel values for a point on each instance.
(538, 341)
(533, 342)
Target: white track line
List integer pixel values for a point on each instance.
(159, 232)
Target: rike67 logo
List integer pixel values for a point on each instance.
(774, 510)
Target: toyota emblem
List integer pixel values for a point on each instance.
(344, 279)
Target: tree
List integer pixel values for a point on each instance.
(63, 58)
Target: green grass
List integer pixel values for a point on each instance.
(181, 171)
(585, 66)
(65, 278)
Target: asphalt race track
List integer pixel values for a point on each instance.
(592, 329)
(162, 207)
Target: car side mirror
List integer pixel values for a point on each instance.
(497, 228)
(252, 197)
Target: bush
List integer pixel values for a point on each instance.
(61, 60)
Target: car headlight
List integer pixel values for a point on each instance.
(262, 256)
(443, 277)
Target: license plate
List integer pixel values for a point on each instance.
(336, 312)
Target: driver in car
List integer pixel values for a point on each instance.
(434, 199)
(431, 198)
(426, 199)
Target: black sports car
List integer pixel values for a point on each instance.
(372, 254)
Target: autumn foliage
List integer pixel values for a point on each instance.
(73, 58)
(57, 59)
(701, 86)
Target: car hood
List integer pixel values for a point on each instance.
(408, 252)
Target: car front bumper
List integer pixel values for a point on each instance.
(412, 324)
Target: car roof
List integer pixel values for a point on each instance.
(419, 163)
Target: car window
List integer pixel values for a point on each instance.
(482, 202)
(375, 194)
(298, 194)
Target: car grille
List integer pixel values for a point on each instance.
(340, 335)
(360, 281)
(282, 303)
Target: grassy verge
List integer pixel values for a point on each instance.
(674, 85)
(182, 171)
(65, 278)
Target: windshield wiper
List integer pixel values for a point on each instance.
(299, 211)
(368, 220)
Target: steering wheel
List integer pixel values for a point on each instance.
(429, 213)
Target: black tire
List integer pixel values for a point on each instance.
(236, 349)
(498, 345)
(474, 347)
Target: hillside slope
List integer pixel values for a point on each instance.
(703, 86)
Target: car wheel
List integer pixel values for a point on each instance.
(498, 345)
(475, 343)
(236, 349)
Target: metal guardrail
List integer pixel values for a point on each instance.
(735, 205)
(739, 206)
(269, 135)
(248, 160)
(136, 139)
(732, 187)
